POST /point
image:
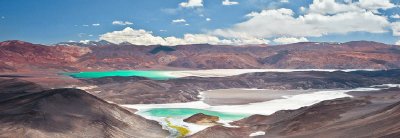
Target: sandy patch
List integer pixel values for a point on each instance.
(245, 96)
(233, 72)
(258, 133)
(288, 102)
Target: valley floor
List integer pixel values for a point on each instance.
(248, 103)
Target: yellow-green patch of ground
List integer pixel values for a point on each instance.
(183, 131)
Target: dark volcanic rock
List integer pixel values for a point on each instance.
(202, 119)
(10, 88)
(70, 113)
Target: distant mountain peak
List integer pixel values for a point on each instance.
(364, 42)
(125, 43)
(86, 43)
(13, 42)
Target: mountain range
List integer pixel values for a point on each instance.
(19, 56)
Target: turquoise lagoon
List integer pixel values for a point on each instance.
(155, 75)
(187, 112)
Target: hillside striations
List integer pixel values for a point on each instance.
(18, 56)
(67, 113)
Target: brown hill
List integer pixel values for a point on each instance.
(369, 114)
(135, 90)
(68, 113)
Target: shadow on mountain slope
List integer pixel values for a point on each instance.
(69, 113)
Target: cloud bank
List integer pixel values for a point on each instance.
(289, 40)
(143, 37)
(396, 28)
(323, 18)
(282, 26)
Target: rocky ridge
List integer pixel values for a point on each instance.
(18, 56)
(27, 111)
(136, 90)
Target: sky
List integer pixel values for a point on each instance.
(178, 22)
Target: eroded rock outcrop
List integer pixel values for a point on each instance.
(202, 119)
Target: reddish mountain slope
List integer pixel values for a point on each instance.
(22, 56)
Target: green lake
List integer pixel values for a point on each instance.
(155, 75)
(187, 112)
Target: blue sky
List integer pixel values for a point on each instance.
(205, 21)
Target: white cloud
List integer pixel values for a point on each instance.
(96, 24)
(395, 16)
(284, 1)
(143, 37)
(2, 17)
(334, 7)
(138, 37)
(249, 40)
(376, 4)
(122, 23)
(179, 21)
(396, 28)
(397, 43)
(228, 2)
(193, 39)
(331, 7)
(85, 25)
(283, 22)
(163, 30)
(322, 17)
(289, 40)
(84, 41)
(208, 19)
(186, 24)
(192, 4)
